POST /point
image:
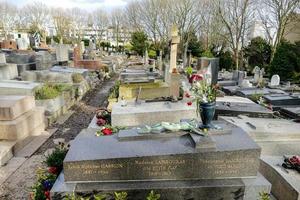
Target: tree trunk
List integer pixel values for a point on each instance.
(236, 58)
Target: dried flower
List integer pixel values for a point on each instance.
(189, 103)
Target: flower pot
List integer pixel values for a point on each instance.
(207, 112)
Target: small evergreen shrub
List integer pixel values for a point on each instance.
(46, 92)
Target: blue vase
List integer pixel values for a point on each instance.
(207, 112)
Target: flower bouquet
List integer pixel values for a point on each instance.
(204, 94)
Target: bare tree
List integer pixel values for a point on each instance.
(37, 16)
(8, 17)
(234, 14)
(100, 23)
(62, 22)
(117, 19)
(79, 23)
(277, 14)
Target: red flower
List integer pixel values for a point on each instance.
(189, 103)
(101, 122)
(47, 194)
(187, 95)
(53, 170)
(195, 77)
(106, 131)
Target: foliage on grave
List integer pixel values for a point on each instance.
(139, 42)
(264, 196)
(77, 78)
(153, 196)
(46, 92)
(114, 91)
(51, 91)
(258, 53)
(45, 181)
(286, 62)
(256, 97)
(203, 92)
(46, 177)
(56, 158)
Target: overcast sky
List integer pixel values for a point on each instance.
(84, 4)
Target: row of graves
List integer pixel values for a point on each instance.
(36, 88)
(151, 141)
(280, 96)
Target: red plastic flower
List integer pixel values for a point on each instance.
(101, 122)
(47, 194)
(195, 77)
(189, 103)
(107, 131)
(187, 95)
(53, 170)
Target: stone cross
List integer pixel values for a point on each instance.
(174, 43)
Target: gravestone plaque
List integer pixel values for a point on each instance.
(107, 159)
(275, 80)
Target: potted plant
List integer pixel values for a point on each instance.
(204, 94)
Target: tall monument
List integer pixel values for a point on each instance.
(174, 43)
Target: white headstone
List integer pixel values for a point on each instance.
(62, 53)
(256, 72)
(22, 43)
(275, 80)
(2, 58)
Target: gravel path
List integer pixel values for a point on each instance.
(17, 186)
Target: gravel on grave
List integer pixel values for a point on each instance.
(18, 185)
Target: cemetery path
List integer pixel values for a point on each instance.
(17, 186)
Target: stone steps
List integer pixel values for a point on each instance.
(6, 151)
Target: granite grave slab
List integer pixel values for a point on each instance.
(165, 159)
(137, 114)
(285, 183)
(12, 87)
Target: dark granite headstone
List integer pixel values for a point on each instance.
(107, 159)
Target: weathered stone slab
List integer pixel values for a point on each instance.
(284, 185)
(234, 99)
(151, 113)
(22, 126)
(279, 99)
(64, 69)
(8, 71)
(12, 107)
(247, 109)
(18, 88)
(248, 92)
(226, 189)
(51, 105)
(47, 76)
(291, 111)
(267, 129)
(44, 60)
(236, 155)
